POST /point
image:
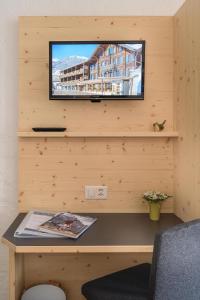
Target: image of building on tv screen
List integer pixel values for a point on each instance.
(97, 69)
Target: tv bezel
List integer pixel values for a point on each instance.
(97, 98)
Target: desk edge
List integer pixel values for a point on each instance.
(79, 249)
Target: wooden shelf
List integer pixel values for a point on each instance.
(129, 134)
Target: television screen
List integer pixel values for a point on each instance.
(96, 70)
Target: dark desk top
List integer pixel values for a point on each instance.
(112, 232)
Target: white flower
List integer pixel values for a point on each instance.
(154, 196)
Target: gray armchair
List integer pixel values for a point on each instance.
(173, 275)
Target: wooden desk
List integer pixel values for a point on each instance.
(119, 234)
(111, 233)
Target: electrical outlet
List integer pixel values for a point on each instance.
(93, 192)
(101, 192)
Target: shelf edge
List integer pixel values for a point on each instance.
(26, 134)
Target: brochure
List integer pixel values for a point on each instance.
(29, 227)
(67, 224)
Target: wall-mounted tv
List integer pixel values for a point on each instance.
(96, 70)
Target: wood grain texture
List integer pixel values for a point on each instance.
(187, 107)
(37, 110)
(131, 134)
(72, 270)
(16, 275)
(53, 172)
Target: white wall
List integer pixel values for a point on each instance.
(9, 12)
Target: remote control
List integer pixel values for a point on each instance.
(48, 129)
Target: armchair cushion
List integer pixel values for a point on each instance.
(132, 284)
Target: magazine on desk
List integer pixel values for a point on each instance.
(29, 227)
(36, 225)
(67, 225)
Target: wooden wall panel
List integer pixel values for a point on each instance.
(187, 107)
(37, 110)
(53, 172)
(75, 269)
(16, 275)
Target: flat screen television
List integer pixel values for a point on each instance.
(96, 70)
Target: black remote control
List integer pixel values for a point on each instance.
(48, 129)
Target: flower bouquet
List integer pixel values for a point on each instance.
(154, 199)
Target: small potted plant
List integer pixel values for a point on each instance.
(154, 200)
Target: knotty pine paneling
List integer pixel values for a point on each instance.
(53, 172)
(35, 108)
(187, 108)
(72, 270)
